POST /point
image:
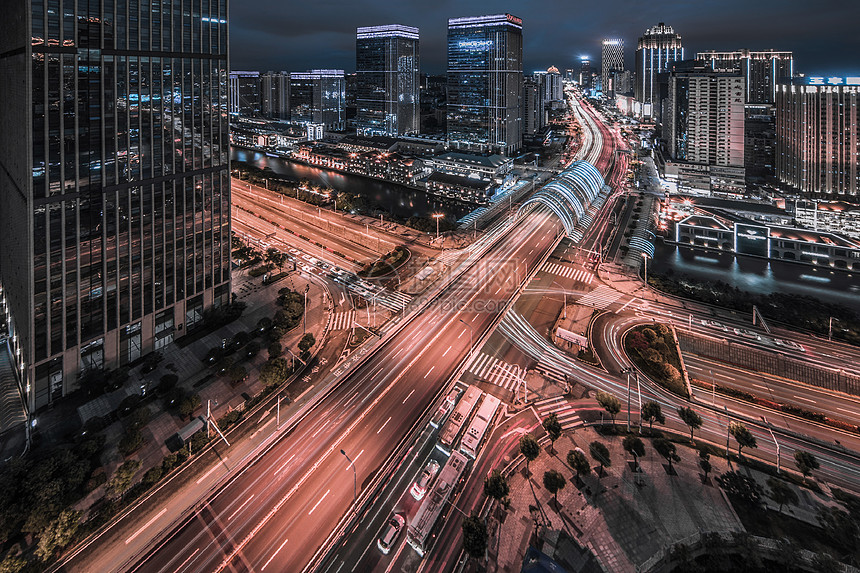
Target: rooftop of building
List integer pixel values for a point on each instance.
(467, 182)
(704, 222)
(493, 161)
(829, 206)
(737, 205)
(816, 237)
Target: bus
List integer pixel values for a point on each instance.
(452, 428)
(418, 534)
(478, 428)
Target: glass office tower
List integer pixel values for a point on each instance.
(114, 178)
(485, 83)
(319, 96)
(387, 80)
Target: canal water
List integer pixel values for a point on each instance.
(399, 200)
(760, 275)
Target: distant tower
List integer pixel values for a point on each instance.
(318, 97)
(762, 70)
(611, 60)
(585, 72)
(387, 80)
(485, 83)
(655, 53)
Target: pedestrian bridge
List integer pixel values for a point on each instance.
(570, 194)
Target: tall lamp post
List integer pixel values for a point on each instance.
(354, 479)
(437, 216)
(645, 257)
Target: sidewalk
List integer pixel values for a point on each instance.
(621, 523)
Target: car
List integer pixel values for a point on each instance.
(746, 333)
(306, 268)
(790, 344)
(444, 409)
(419, 488)
(390, 533)
(715, 324)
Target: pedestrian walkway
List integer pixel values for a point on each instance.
(564, 410)
(11, 407)
(343, 320)
(579, 275)
(601, 297)
(497, 372)
(552, 372)
(466, 222)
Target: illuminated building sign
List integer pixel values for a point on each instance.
(475, 44)
(752, 240)
(513, 19)
(834, 81)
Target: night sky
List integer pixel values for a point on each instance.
(295, 36)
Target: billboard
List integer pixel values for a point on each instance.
(752, 240)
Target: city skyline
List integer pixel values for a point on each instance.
(304, 38)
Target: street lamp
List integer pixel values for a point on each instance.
(437, 216)
(775, 443)
(471, 338)
(830, 329)
(563, 290)
(354, 480)
(645, 257)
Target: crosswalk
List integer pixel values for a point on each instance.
(566, 413)
(450, 256)
(392, 300)
(601, 297)
(552, 372)
(580, 275)
(343, 320)
(498, 372)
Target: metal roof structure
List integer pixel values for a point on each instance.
(570, 194)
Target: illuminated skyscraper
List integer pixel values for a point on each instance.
(275, 95)
(655, 53)
(115, 225)
(319, 97)
(245, 94)
(762, 70)
(817, 138)
(387, 80)
(585, 72)
(485, 83)
(611, 59)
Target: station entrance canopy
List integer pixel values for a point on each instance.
(570, 194)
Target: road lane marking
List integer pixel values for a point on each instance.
(447, 351)
(211, 470)
(461, 334)
(398, 353)
(325, 495)
(321, 428)
(238, 509)
(355, 459)
(277, 471)
(847, 411)
(805, 399)
(407, 397)
(429, 371)
(145, 525)
(278, 550)
(383, 425)
(190, 557)
(762, 387)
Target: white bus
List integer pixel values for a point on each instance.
(452, 428)
(418, 534)
(478, 428)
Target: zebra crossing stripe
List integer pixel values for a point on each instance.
(601, 297)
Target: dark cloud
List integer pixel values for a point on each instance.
(291, 36)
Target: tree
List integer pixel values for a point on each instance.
(651, 412)
(610, 403)
(743, 436)
(274, 371)
(600, 453)
(496, 486)
(307, 342)
(530, 449)
(237, 373)
(741, 487)
(577, 460)
(666, 449)
(691, 418)
(553, 481)
(188, 404)
(780, 492)
(58, 534)
(275, 350)
(839, 527)
(475, 536)
(805, 462)
(121, 480)
(634, 446)
(705, 462)
(553, 428)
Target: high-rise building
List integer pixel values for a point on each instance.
(387, 80)
(485, 83)
(817, 140)
(275, 95)
(611, 59)
(318, 96)
(551, 86)
(245, 94)
(585, 73)
(704, 126)
(114, 174)
(655, 53)
(533, 107)
(759, 142)
(762, 70)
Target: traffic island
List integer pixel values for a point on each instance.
(654, 350)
